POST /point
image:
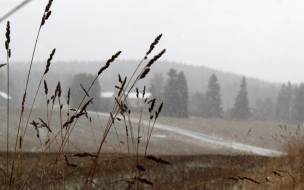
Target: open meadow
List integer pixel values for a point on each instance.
(57, 135)
(189, 162)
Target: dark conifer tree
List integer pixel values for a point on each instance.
(299, 103)
(170, 95)
(283, 106)
(183, 96)
(212, 105)
(241, 106)
(176, 95)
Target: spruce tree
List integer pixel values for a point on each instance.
(299, 103)
(170, 95)
(212, 105)
(182, 94)
(283, 106)
(176, 95)
(241, 110)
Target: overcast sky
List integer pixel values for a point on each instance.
(258, 38)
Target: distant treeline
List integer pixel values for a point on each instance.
(262, 96)
(287, 107)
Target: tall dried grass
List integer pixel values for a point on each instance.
(64, 169)
(57, 169)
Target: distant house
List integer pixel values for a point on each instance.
(3, 98)
(107, 100)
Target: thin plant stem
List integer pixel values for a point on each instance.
(7, 116)
(26, 85)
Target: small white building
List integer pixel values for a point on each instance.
(132, 100)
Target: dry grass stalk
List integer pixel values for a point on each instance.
(1, 65)
(7, 35)
(85, 154)
(144, 91)
(137, 92)
(155, 58)
(47, 13)
(48, 63)
(144, 73)
(46, 90)
(20, 141)
(159, 110)
(8, 50)
(85, 105)
(59, 89)
(120, 103)
(108, 62)
(141, 168)
(84, 90)
(45, 125)
(119, 78)
(69, 96)
(36, 127)
(144, 180)
(158, 160)
(244, 178)
(152, 104)
(154, 44)
(68, 163)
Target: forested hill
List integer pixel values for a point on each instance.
(197, 77)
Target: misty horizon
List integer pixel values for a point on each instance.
(252, 38)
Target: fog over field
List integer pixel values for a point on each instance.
(255, 38)
(158, 94)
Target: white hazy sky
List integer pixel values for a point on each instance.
(258, 38)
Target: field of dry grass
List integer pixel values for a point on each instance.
(192, 172)
(270, 135)
(54, 147)
(192, 165)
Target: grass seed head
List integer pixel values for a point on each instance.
(141, 168)
(7, 34)
(20, 141)
(152, 105)
(48, 63)
(85, 154)
(23, 101)
(108, 62)
(144, 73)
(48, 14)
(155, 58)
(119, 78)
(69, 96)
(144, 180)
(156, 40)
(1, 65)
(48, 6)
